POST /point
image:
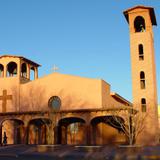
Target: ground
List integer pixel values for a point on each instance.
(63, 152)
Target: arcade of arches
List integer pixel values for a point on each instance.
(73, 130)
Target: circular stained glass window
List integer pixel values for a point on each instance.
(54, 102)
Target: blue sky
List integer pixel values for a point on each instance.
(88, 38)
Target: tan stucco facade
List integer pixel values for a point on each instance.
(66, 109)
(77, 94)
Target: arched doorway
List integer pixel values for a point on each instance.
(14, 129)
(106, 131)
(71, 131)
(38, 131)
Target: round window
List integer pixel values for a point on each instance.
(54, 103)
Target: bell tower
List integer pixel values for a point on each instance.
(144, 89)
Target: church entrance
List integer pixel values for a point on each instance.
(106, 131)
(72, 131)
(14, 130)
(38, 131)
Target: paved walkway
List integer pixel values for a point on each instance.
(65, 152)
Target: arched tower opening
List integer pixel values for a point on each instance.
(1, 70)
(24, 70)
(11, 69)
(139, 24)
(32, 73)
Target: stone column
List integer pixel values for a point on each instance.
(57, 135)
(45, 134)
(66, 134)
(35, 73)
(5, 71)
(19, 69)
(28, 71)
(88, 134)
(25, 134)
(93, 134)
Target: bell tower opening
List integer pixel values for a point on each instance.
(1, 70)
(139, 24)
(11, 69)
(24, 70)
(32, 73)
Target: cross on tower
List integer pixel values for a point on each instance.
(4, 99)
(55, 68)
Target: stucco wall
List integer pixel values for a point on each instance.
(107, 100)
(75, 92)
(11, 85)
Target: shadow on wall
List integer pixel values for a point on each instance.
(105, 133)
(35, 99)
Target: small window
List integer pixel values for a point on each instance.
(139, 24)
(142, 80)
(143, 104)
(141, 54)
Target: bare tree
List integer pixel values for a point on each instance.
(129, 121)
(52, 115)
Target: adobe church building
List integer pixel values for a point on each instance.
(67, 109)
